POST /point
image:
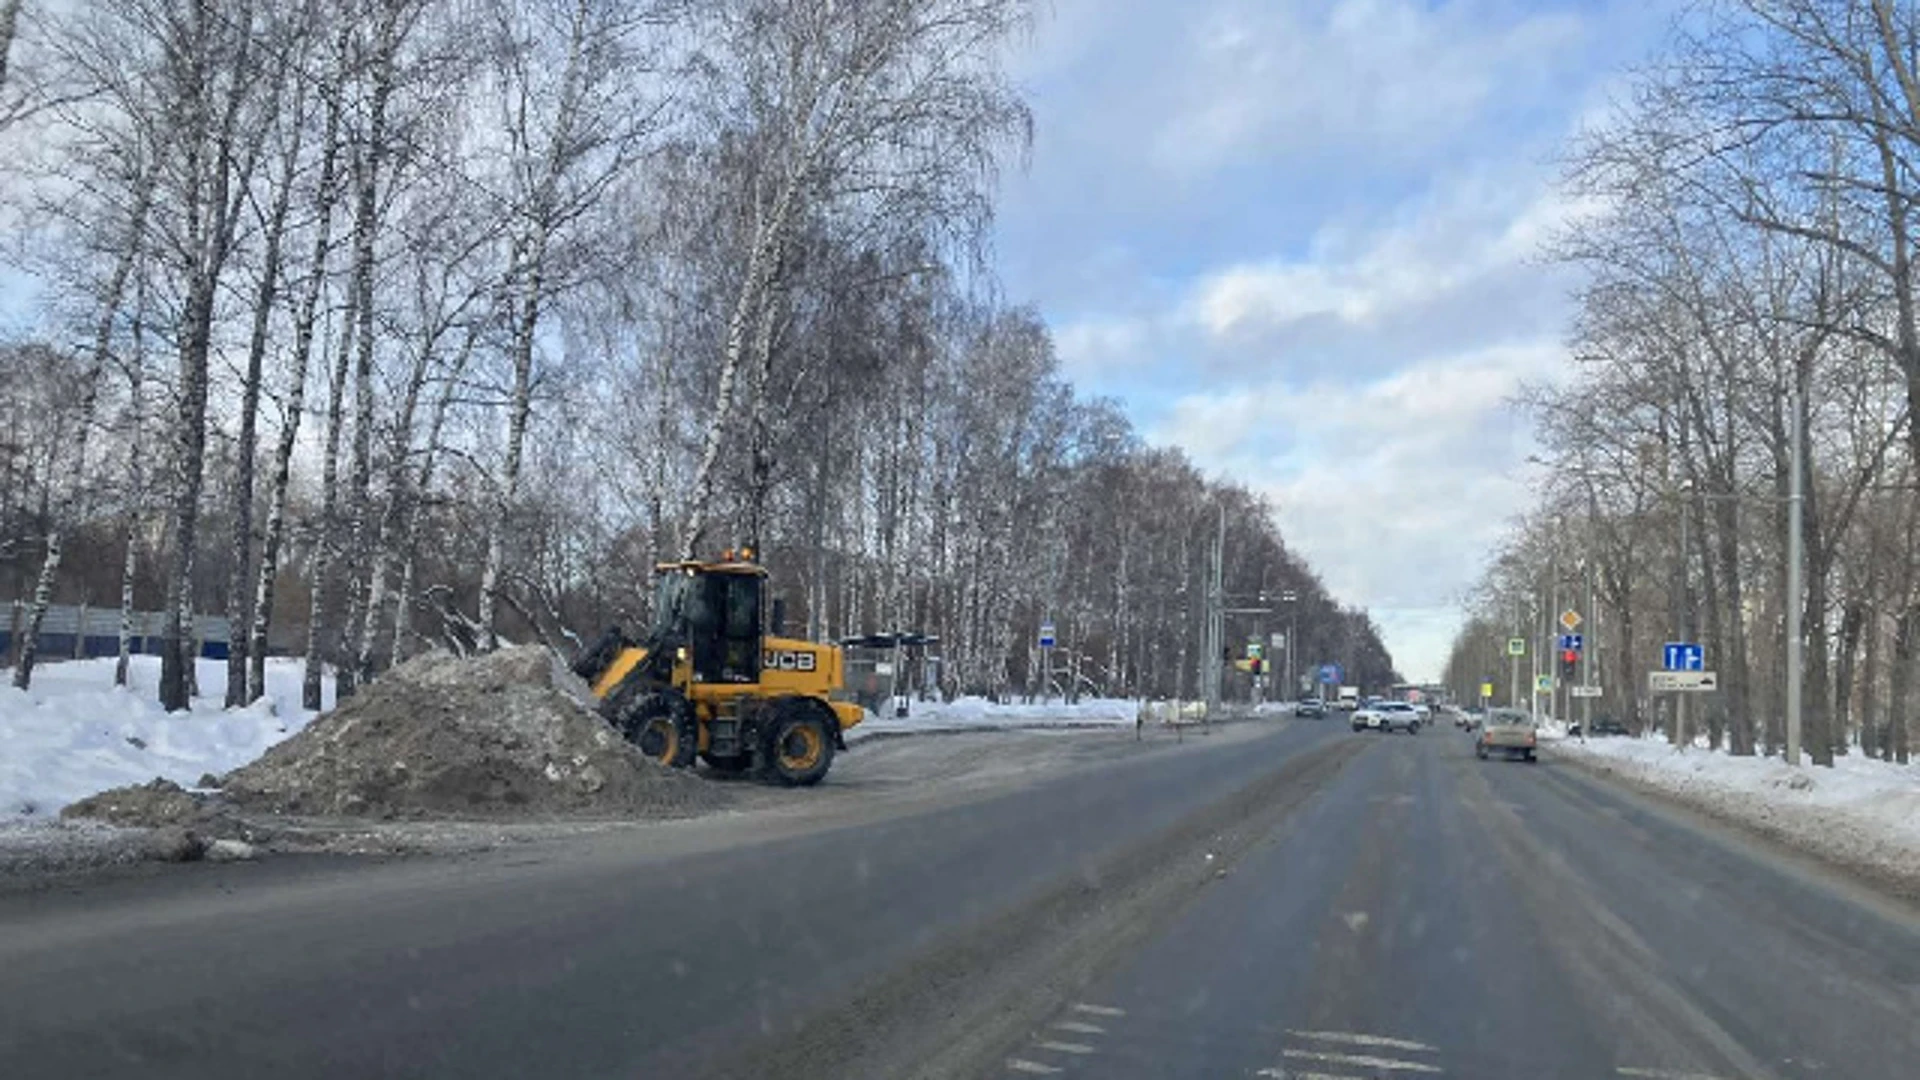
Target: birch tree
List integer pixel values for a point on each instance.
(896, 107)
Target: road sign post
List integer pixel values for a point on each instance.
(1580, 691)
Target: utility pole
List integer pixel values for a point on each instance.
(1551, 642)
(1796, 554)
(1678, 736)
(1513, 660)
(1586, 654)
(1216, 622)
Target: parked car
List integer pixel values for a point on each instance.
(1387, 716)
(1607, 725)
(1510, 733)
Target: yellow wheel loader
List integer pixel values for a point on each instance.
(711, 679)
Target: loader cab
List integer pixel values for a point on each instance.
(714, 610)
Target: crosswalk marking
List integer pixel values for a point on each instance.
(1079, 1027)
(1033, 1068)
(1354, 1038)
(1066, 1047)
(1663, 1074)
(1098, 1010)
(1365, 1061)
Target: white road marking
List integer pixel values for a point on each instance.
(1291, 1074)
(1099, 1010)
(1354, 1038)
(1079, 1027)
(1663, 1074)
(1033, 1068)
(1066, 1047)
(1356, 920)
(1365, 1061)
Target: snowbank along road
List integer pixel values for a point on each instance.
(1285, 901)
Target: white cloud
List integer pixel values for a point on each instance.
(1301, 239)
(1377, 73)
(1096, 345)
(1472, 226)
(1393, 488)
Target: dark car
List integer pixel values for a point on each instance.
(1607, 725)
(1311, 709)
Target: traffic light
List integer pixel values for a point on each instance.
(1253, 665)
(1569, 663)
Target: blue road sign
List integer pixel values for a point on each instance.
(1576, 642)
(1046, 635)
(1685, 656)
(1330, 674)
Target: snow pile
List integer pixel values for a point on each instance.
(979, 714)
(1861, 811)
(75, 733)
(443, 736)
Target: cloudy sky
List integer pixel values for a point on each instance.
(1300, 239)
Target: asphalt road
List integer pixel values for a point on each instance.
(1306, 903)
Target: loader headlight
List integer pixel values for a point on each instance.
(680, 653)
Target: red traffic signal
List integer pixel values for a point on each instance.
(1570, 656)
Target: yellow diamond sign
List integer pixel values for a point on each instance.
(1570, 619)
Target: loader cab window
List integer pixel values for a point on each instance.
(725, 631)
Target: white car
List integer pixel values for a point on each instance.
(1388, 716)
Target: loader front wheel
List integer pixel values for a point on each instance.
(664, 730)
(799, 746)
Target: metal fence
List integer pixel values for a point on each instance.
(73, 632)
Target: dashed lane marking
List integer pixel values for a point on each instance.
(1065, 1047)
(1098, 1010)
(1292, 1074)
(1663, 1074)
(1031, 1068)
(1079, 1027)
(1365, 1061)
(1354, 1038)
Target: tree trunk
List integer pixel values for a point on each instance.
(1870, 729)
(96, 370)
(520, 412)
(306, 321)
(239, 597)
(764, 262)
(409, 506)
(190, 443)
(37, 611)
(1852, 622)
(1906, 629)
(326, 528)
(136, 481)
(9, 21)
(365, 223)
(1735, 662)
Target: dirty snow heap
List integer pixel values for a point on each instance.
(442, 736)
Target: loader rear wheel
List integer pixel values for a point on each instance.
(798, 746)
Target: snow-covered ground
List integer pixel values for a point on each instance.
(979, 714)
(75, 733)
(1860, 811)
